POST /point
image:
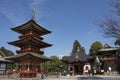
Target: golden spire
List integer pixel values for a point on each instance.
(33, 12)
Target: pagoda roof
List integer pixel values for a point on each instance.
(77, 56)
(35, 55)
(31, 24)
(30, 40)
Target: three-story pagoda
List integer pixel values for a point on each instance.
(31, 46)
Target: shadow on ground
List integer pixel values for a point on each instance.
(89, 78)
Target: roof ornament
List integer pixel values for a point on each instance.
(78, 48)
(33, 12)
(77, 56)
(107, 46)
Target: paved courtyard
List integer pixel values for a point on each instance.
(68, 78)
(98, 78)
(86, 78)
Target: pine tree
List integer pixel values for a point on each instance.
(77, 45)
(95, 47)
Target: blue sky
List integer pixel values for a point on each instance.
(69, 20)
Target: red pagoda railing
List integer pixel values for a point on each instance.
(35, 51)
(31, 73)
(108, 59)
(28, 74)
(30, 34)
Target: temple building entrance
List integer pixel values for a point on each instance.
(76, 62)
(78, 69)
(86, 68)
(108, 59)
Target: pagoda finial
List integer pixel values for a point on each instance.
(33, 12)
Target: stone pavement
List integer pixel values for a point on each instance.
(97, 77)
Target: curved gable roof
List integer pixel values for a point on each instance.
(2, 54)
(80, 56)
(32, 25)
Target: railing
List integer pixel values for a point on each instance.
(27, 74)
(31, 34)
(35, 51)
(108, 59)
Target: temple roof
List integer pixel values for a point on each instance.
(2, 59)
(5, 61)
(30, 40)
(107, 47)
(31, 25)
(28, 54)
(77, 56)
(106, 50)
(2, 54)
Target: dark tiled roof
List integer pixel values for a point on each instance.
(5, 61)
(32, 25)
(2, 54)
(106, 46)
(109, 49)
(80, 56)
(2, 59)
(16, 57)
(34, 40)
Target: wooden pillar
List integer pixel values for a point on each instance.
(83, 69)
(28, 67)
(19, 67)
(73, 70)
(5, 67)
(41, 68)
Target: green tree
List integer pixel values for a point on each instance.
(54, 65)
(95, 47)
(77, 45)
